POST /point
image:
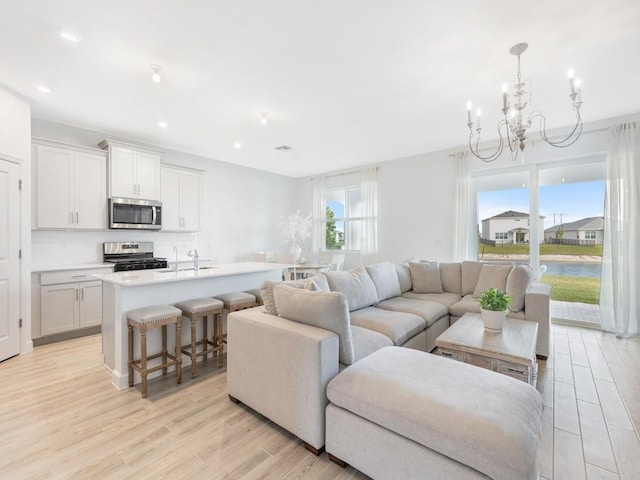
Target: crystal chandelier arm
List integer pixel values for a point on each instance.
(476, 151)
(567, 141)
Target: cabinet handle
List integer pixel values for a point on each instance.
(77, 218)
(78, 276)
(76, 294)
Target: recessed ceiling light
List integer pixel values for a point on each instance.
(43, 88)
(163, 124)
(70, 36)
(237, 145)
(156, 73)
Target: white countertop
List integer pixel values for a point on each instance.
(78, 266)
(147, 277)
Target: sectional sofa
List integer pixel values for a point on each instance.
(282, 355)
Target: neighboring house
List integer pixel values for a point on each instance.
(587, 231)
(509, 227)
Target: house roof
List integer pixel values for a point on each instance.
(590, 223)
(510, 214)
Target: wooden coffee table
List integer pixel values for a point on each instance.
(512, 352)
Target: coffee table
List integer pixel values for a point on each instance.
(512, 352)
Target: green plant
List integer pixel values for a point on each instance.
(494, 300)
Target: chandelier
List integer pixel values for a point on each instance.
(513, 106)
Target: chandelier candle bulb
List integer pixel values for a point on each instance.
(469, 113)
(478, 114)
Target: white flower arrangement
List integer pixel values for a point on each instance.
(296, 228)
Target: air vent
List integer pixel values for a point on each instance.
(284, 148)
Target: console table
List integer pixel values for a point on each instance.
(512, 352)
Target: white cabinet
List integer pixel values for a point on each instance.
(181, 198)
(134, 172)
(70, 186)
(70, 300)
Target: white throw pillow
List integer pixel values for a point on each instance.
(356, 285)
(385, 278)
(425, 277)
(404, 276)
(328, 310)
(492, 276)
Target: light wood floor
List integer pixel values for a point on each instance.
(61, 418)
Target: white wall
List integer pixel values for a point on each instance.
(241, 211)
(15, 141)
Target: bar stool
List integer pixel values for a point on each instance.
(235, 301)
(200, 309)
(145, 319)
(256, 292)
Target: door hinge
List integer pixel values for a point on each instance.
(20, 185)
(20, 324)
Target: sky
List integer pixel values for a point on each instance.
(569, 202)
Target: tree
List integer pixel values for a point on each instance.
(559, 233)
(330, 238)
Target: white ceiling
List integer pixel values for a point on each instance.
(344, 82)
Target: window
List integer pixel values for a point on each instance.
(343, 218)
(502, 236)
(590, 234)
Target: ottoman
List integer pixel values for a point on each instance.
(402, 413)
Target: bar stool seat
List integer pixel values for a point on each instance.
(145, 319)
(234, 301)
(200, 309)
(256, 292)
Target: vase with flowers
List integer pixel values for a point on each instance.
(295, 229)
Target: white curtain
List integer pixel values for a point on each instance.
(319, 228)
(369, 232)
(462, 214)
(620, 288)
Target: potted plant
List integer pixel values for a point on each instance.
(493, 308)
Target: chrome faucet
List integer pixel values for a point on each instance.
(194, 254)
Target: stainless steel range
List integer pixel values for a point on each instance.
(131, 256)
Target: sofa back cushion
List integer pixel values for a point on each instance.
(356, 285)
(470, 275)
(451, 277)
(518, 282)
(266, 290)
(318, 282)
(404, 276)
(326, 310)
(385, 279)
(492, 275)
(425, 277)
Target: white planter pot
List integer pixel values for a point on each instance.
(493, 321)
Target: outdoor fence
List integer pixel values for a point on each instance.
(569, 241)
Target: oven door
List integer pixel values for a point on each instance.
(135, 214)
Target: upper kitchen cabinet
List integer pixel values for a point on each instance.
(70, 186)
(181, 196)
(134, 172)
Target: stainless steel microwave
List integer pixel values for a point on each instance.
(135, 214)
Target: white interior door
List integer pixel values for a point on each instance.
(9, 260)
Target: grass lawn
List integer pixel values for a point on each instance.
(523, 249)
(573, 289)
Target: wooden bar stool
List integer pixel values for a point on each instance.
(256, 292)
(200, 309)
(235, 301)
(145, 319)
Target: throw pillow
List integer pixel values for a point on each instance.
(328, 310)
(385, 278)
(492, 276)
(451, 276)
(356, 285)
(470, 276)
(425, 277)
(319, 282)
(404, 276)
(518, 283)
(266, 290)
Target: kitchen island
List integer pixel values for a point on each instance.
(124, 291)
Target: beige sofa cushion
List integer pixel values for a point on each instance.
(326, 310)
(492, 276)
(425, 277)
(451, 277)
(470, 274)
(266, 290)
(319, 283)
(469, 303)
(366, 341)
(518, 282)
(398, 326)
(429, 311)
(385, 279)
(447, 299)
(404, 276)
(356, 285)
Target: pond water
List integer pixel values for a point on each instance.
(573, 269)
